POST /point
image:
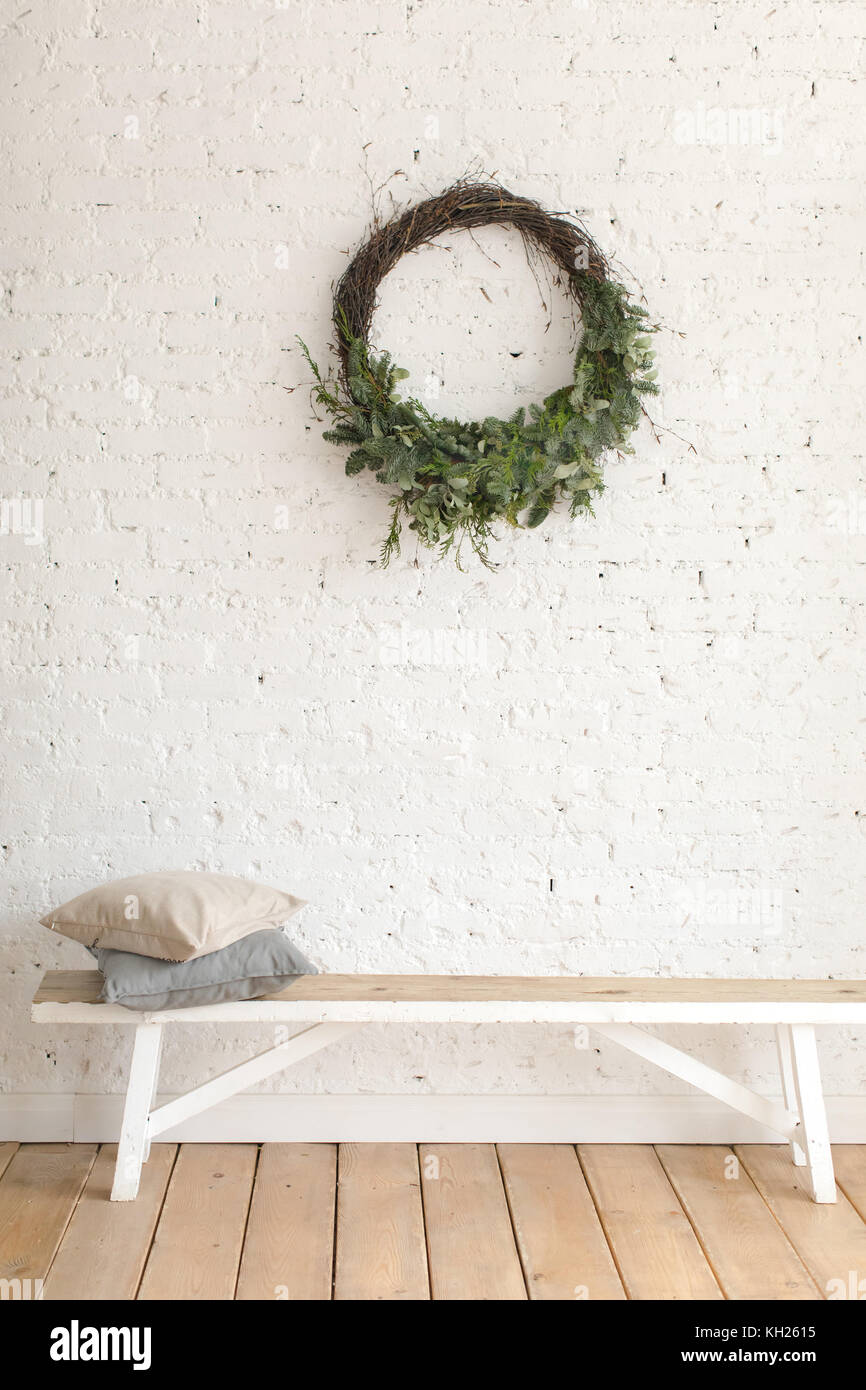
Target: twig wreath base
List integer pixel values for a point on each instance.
(452, 480)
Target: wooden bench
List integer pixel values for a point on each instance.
(333, 1005)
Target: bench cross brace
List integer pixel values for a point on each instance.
(141, 1124)
(801, 1119)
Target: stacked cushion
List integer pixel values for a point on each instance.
(181, 938)
(177, 915)
(261, 963)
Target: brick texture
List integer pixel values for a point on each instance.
(637, 746)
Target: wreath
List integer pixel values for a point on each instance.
(452, 480)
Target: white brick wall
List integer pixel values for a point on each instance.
(660, 711)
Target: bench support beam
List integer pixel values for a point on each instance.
(803, 1123)
(246, 1074)
(141, 1124)
(714, 1083)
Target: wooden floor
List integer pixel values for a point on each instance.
(442, 1221)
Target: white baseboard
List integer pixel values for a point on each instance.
(423, 1119)
(37, 1119)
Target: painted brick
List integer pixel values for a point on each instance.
(658, 709)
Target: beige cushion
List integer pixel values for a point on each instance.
(177, 915)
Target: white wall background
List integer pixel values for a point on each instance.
(637, 747)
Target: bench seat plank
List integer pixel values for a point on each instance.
(72, 996)
(83, 986)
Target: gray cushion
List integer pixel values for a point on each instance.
(260, 963)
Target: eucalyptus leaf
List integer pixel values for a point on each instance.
(504, 469)
(537, 514)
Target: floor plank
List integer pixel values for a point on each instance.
(8, 1151)
(106, 1245)
(829, 1237)
(470, 1240)
(669, 1224)
(655, 1248)
(849, 1161)
(197, 1247)
(380, 1249)
(38, 1193)
(562, 1246)
(289, 1247)
(746, 1248)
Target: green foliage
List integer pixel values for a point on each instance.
(451, 481)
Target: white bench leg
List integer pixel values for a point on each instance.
(789, 1090)
(813, 1116)
(152, 1101)
(134, 1139)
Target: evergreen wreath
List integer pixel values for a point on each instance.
(454, 479)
